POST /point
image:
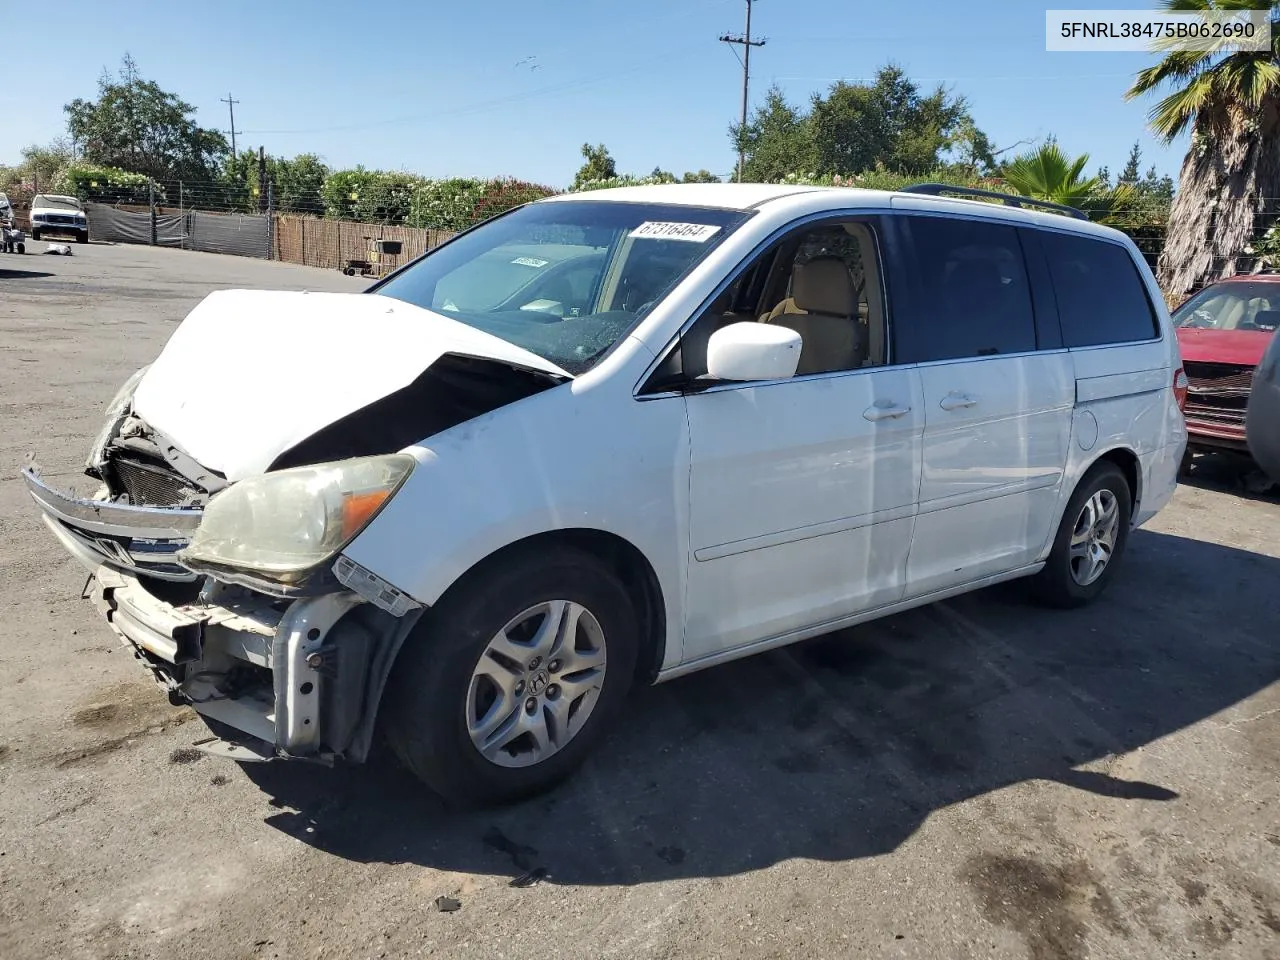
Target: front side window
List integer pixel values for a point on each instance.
(1239, 305)
(1101, 296)
(567, 279)
(823, 281)
(969, 292)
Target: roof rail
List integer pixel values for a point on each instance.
(1010, 199)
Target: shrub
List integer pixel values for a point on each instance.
(107, 184)
(446, 204)
(370, 196)
(459, 203)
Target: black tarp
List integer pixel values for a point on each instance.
(240, 234)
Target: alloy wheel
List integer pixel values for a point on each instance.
(536, 684)
(1093, 540)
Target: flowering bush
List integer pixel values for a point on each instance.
(102, 184)
(626, 180)
(458, 203)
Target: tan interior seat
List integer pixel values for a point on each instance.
(823, 309)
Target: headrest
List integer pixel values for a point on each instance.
(823, 285)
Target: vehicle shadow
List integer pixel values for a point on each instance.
(840, 747)
(7, 274)
(1233, 473)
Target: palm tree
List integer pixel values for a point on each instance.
(1230, 101)
(1046, 173)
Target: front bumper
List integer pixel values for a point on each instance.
(46, 227)
(300, 678)
(137, 540)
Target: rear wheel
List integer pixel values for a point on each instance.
(1090, 540)
(507, 683)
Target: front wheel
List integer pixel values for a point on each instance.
(1091, 539)
(82, 237)
(507, 683)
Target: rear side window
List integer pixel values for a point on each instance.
(1101, 296)
(969, 296)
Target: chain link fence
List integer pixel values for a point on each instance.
(240, 219)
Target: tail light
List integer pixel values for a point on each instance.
(1180, 385)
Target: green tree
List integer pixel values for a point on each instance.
(1230, 102)
(700, 176)
(970, 149)
(136, 126)
(887, 123)
(42, 169)
(1132, 166)
(776, 140)
(599, 165)
(297, 184)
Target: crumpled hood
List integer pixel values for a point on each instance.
(250, 373)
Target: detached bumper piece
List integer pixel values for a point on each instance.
(140, 540)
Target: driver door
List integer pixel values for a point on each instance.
(802, 491)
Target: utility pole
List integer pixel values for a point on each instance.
(262, 180)
(231, 106)
(744, 40)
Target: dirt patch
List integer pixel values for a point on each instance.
(1049, 905)
(1193, 891)
(1216, 929)
(185, 755)
(116, 718)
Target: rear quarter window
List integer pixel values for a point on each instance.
(1101, 295)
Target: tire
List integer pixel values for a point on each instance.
(35, 234)
(1060, 583)
(439, 682)
(22, 248)
(82, 237)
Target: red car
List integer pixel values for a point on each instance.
(1223, 331)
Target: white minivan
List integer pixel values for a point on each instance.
(609, 439)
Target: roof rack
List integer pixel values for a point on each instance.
(1010, 199)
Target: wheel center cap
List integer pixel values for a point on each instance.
(538, 682)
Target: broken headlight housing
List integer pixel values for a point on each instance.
(282, 525)
(116, 409)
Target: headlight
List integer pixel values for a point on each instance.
(282, 524)
(116, 409)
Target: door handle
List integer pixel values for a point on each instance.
(957, 401)
(890, 411)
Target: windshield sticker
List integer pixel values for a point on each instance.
(693, 232)
(530, 262)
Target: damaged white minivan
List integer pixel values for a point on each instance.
(608, 439)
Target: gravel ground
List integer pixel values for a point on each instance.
(978, 778)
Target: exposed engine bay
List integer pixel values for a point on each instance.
(292, 672)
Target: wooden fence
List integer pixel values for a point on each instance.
(331, 243)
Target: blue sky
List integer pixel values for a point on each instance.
(435, 87)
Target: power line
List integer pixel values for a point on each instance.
(231, 106)
(744, 40)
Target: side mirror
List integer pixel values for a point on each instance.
(753, 351)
